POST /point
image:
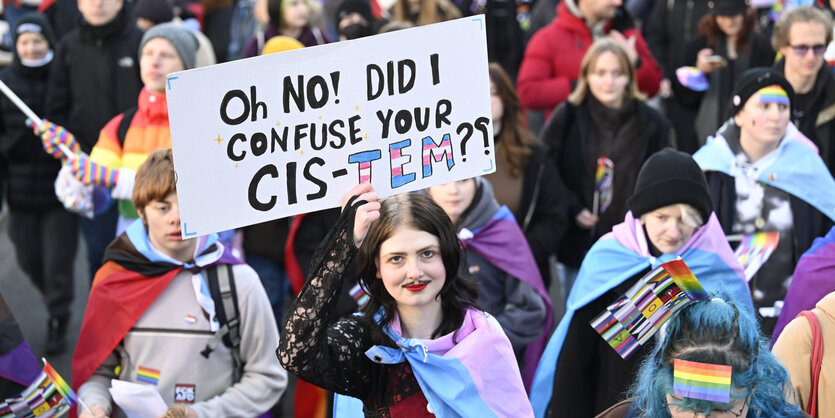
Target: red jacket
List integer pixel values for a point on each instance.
(552, 59)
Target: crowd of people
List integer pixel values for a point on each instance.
(628, 133)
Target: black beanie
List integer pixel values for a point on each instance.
(354, 6)
(35, 22)
(157, 11)
(670, 177)
(755, 79)
(727, 7)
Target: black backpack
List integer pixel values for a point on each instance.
(222, 288)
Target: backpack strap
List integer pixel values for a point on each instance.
(124, 124)
(816, 359)
(222, 288)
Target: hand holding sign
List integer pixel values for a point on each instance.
(289, 133)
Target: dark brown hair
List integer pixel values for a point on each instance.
(418, 211)
(515, 140)
(709, 30)
(155, 179)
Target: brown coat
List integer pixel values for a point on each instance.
(793, 349)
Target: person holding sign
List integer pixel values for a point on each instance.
(670, 216)
(154, 316)
(766, 176)
(420, 347)
(710, 360)
(604, 117)
(45, 236)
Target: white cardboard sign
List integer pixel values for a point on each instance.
(288, 133)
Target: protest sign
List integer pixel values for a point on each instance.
(289, 133)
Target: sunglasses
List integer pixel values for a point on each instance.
(803, 49)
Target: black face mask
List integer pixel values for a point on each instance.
(356, 30)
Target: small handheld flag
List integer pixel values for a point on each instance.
(754, 251)
(603, 185)
(635, 317)
(692, 78)
(48, 396)
(708, 382)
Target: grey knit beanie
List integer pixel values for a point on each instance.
(184, 42)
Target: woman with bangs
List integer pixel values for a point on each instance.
(290, 18)
(420, 347)
(604, 117)
(720, 335)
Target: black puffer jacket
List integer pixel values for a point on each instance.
(94, 77)
(27, 173)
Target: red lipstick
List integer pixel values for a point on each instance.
(417, 287)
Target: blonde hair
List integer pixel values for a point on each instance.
(689, 215)
(797, 15)
(431, 11)
(578, 96)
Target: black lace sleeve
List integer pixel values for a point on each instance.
(331, 356)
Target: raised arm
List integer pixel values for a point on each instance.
(331, 356)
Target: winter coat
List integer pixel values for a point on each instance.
(94, 77)
(818, 124)
(551, 65)
(514, 303)
(566, 135)
(714, 103)
(794, 349)
(28, 172)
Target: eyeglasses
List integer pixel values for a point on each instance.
(803, 49)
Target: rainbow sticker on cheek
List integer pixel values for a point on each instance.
(774, 94)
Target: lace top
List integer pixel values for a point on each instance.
(332, 355)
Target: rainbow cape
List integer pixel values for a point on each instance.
(798, 170)
(633, 318)
(626, 253)
(474, 377)
(47, 396)
(131, 278)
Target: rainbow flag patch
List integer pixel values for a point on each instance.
(147, 375)
(709, 382)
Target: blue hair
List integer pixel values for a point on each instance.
(715, 332)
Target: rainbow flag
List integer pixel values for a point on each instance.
(48, 396)
(774, 94)
(709, 382)
(754, 251)
(636, 316)
(147, 375)
(603, 184)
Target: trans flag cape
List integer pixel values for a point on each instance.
(499, 241)
(813, 279)
(619, 256)
(475, 377)
(132, 277)
(798, 170)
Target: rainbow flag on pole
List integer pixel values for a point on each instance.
(635, 317)
(754, 251)
(709, 382)
(48, 396)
